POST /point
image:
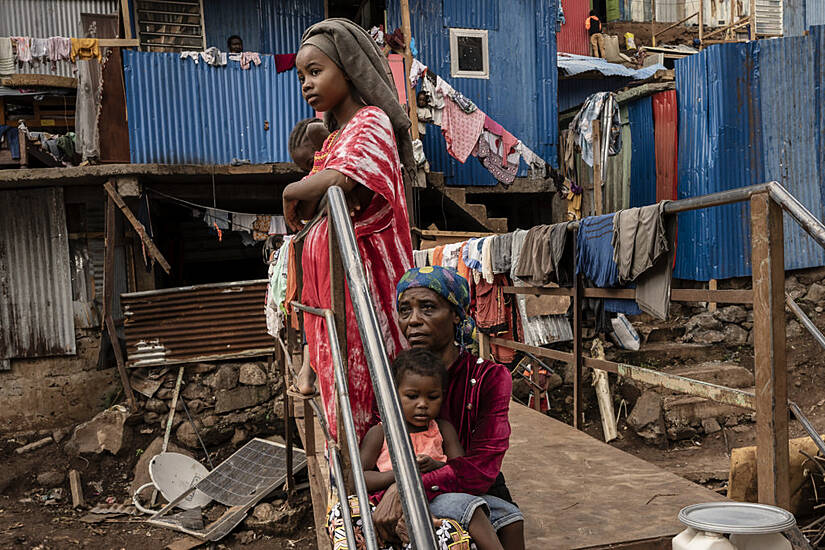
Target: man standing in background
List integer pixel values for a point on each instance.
(594, 29)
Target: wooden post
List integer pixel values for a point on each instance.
(712, 285)
(406, 28)
(597, 168)
(484, 350)
(127, 19)
(535, 390)
(702, 22)
(78, 500)
(338, 306)
(753, 20)
(767, 257)
(280, 357)
(108, 295)
(578, 295)
(137, 226)
(653, 22)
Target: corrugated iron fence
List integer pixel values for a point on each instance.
(182, 112)
(203, 322)
(745, 118)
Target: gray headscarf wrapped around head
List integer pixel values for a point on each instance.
(357, 54)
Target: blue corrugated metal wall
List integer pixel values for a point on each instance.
(482, 14)
(180, 112)
(265, 26)
(520, 94)
(745, 119)
(643, 156)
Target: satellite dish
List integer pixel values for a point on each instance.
(174, 473)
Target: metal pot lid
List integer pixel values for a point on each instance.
(737, 518)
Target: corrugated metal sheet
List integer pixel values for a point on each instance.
(616, 191)
(213, 321)
(791, 132)
(180, 112)
(573, 91)
(45, 18)
(531, 114)
(572, 38)
(481, 14)
(223, 19)
(666, 120)
(814, 12)
(284, 21)
(36, 314)
(643, 160)
(745, 119)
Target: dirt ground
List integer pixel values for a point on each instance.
(30, 518)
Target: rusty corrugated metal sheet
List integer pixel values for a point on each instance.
(36, 314)
(180, 112)
(572, 38)
(665, 120)
(212, 321)
(45, 18)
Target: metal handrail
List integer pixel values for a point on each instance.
(411, 490)
(342, 387)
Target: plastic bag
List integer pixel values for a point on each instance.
(630, 41)
(625, 334)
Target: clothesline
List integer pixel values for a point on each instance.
(216, 58)
(468, 130)
(24, 49)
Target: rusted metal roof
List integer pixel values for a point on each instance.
(665, 120)
(36, 315)
(196, 323)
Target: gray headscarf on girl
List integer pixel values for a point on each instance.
(356, 53)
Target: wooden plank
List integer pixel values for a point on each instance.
(20, 80)
(126, 17)
(770, 370)
(578, 492)
(712, 285)
(338, 305)
(538, 352)
(108, 295)
(119, 42)
(78, 500)
(578, 337)
(317, 467)
(138, 227)
(114, 130)
(676, 295)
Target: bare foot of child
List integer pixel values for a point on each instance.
(305, 383)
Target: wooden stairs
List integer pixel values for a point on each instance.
(458, 197)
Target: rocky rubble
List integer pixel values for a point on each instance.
(228, 402)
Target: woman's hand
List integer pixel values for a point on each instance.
(387, 514)
(291, 217)
(426, 463)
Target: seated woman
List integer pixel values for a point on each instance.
(432, 311)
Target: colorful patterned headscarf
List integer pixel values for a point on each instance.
(453, 288)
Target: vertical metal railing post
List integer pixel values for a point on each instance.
(411, 490)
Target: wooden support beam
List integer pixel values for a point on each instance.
(138, 227)
(712, 285)
(108, 296)
(126, 17)
(578, 359)
(338, 305)
(770, 369)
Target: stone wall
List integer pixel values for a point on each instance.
(228, 401)
(53, 392)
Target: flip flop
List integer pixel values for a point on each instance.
(293, 392)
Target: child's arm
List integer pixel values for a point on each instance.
(452, 445)
(370, 449)
(301, 198)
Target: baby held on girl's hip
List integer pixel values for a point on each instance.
(420, 379)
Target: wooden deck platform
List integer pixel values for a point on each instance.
(578, 492)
